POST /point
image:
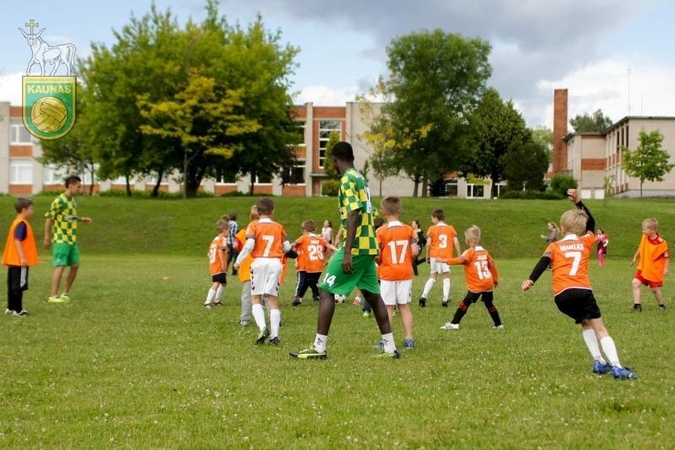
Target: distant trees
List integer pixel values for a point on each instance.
(649, 161)
(590, 122)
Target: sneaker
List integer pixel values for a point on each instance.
(218, 303)
(450, 326)
(243, 323)
(357, 301)
(297, 302)
(383, 354)
(662, 307)
(423, 302)
(637, 307)
(623, 373)
(309, 353)
(264, 334)
(408, 344)
(9, 311)
(275, 341)
(601, 368)
(65, 298)
(445, 303)
(207, 305)
(498, 327)
(56, 299)
(367, 314)
(21, 313)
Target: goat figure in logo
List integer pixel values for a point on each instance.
(45, 55)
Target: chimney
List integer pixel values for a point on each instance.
(559, 130)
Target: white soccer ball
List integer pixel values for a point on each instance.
(339, 298)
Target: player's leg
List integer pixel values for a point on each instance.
(434, 268)
(246, 304)
(636, 283)
(658, 295)
(445, 269)
(211, 293)
(74, 262)
(488, 300)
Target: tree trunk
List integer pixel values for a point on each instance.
(251, 187)
(155, 189)
(128, 185)
(185, 175)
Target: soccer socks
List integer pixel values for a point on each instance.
(389, 345)
(609, 348)
(446, 289)
(494, 313)
(592, 343)
(259, 315)
(275, 320)
(320, 342)
(427, 287)
(219, 293)
(462, 308)
(210, 296)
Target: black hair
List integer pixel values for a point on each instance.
(343, 151)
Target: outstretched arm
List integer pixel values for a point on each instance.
(539, 269)
(573, 195)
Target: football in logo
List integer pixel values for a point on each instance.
(49, 114)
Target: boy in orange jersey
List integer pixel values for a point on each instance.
(654, 261)
(398, 249)
(217, 255)
(244, 272)
(310, 262)
(20, 253)
(267, 242)
(440, 240)
(569, 258)
(481, 276)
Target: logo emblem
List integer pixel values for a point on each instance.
(49, 101)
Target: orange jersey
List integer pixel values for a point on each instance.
(569, 258)
(11, 255)
(480, 270)
(244, 272)
(269, 237)
(310, 248)
(653, 254)
(395, 240)
(218, 255)
(440, 239)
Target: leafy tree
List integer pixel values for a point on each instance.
(497, 127)
(544, 136)
(435, 80)
(525, 166)
(649, 161)
(561, 182)
(591, 122)
(328, 166)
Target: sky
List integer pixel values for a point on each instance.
(611, 55)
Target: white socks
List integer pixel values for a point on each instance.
(210, 296)
(427, 287)
(446, 289)
(259, 315)
(320, 342)
(275, 320)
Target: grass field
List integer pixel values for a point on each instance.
(136, 362)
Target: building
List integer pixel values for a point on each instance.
(594, 159)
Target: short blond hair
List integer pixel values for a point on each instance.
(472, 234)
(651, 223)
(574, 221)
(391, 206)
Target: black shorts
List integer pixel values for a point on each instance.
(579, 304)
(219, 278)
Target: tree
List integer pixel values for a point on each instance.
(591, 122)
(435, 80)
(525, 166)
(649, 161)
(496, 128)
(544, 136)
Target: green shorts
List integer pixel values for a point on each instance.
(363, 277)
(65, 254)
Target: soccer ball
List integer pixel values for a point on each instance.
(339, 298)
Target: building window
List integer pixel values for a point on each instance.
(18, 134)
(225, 177)
(20, 171)
(264, 178)
(53, 175)
(301, 124)
(326, 127)
(451, 188)
(475, 191)
(295, 174)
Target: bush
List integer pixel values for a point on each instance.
(561, 183)
(135, 193)
(531, 195)
(330, 188)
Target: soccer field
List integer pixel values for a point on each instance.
(134, 361)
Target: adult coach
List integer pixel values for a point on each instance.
(61, 235)
(353, 265)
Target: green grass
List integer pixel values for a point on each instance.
(136, 362)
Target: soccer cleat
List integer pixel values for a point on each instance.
(409, 344)
(367, 314)
(56, 299)
(65, 298)
(9, 311)
(445, 303)
(662, 307)
(21, 313)
(309, 353)
(275, 341)
(218, 303)
(498, 327)
(637, 307)
(207, 305)
(297, 302)
(264, 334)
(393, 355)
(623, 373)
(450, 326)
(601, 368)
(423, 302)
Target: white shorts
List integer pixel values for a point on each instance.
(439, 266)
(396, 292)
(265, 276)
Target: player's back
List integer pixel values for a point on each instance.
(313, 247)
(395, 239)
(569, 257)
(441, 236)
(479, 270)
(269, 237)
